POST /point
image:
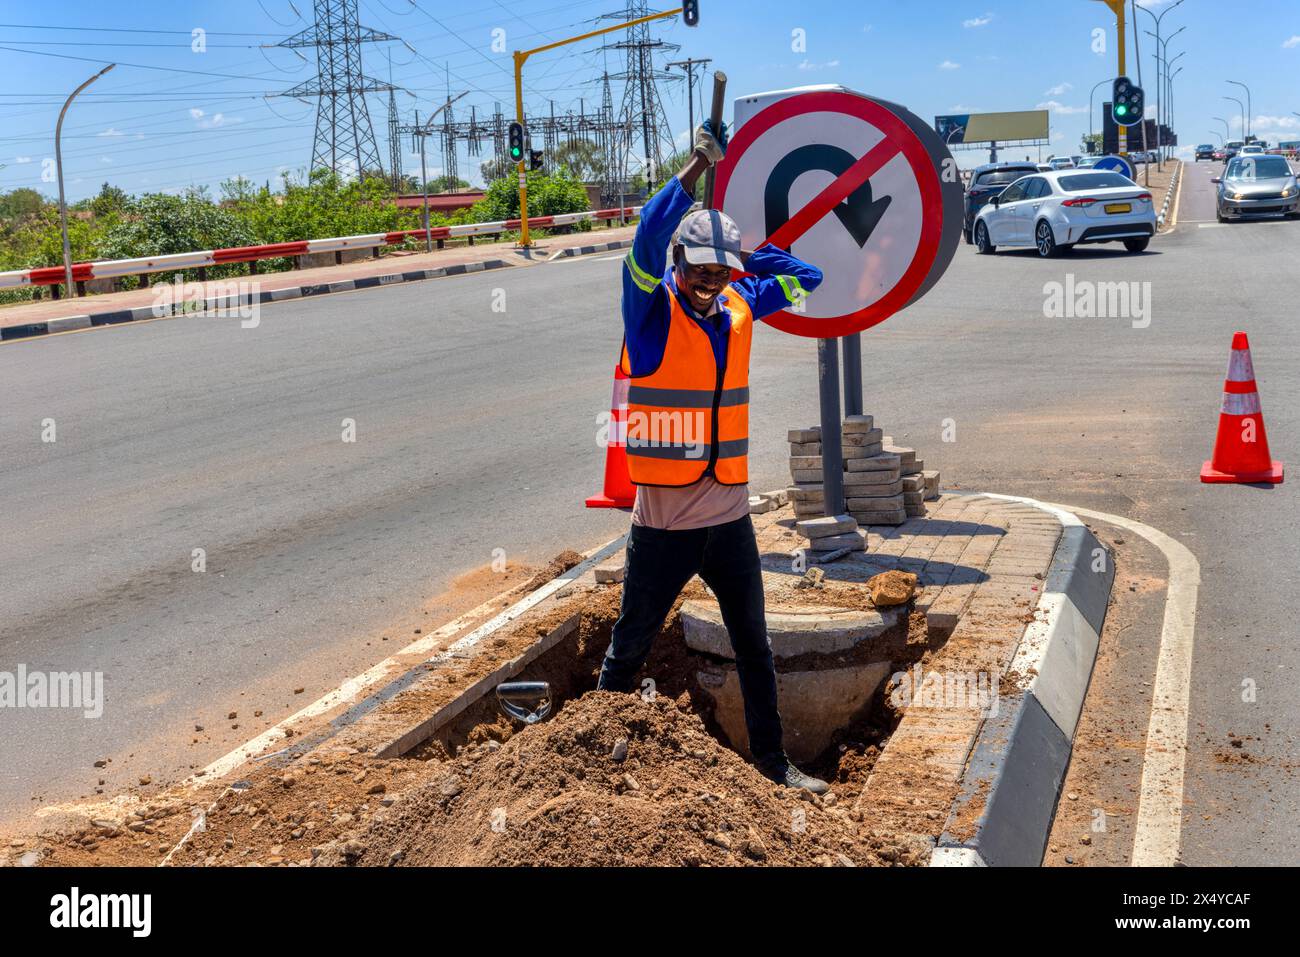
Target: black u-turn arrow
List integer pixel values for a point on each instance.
(858, 212)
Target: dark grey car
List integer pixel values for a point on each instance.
(1257, 186)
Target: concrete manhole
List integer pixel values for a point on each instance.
(828, 662)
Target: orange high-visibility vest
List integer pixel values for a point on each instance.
(688, 418)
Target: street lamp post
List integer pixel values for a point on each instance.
(1090, 93)
(1246, 133)
(1173, 77)
(1243, 115)
(1162, 76)
(424, 131)
(1169, 88)
(1160, 51)
(58, 162)
(1227, 129)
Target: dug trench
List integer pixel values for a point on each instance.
(642, 779)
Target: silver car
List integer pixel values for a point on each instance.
(1257, 186)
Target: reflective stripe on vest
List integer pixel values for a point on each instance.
(685, 420)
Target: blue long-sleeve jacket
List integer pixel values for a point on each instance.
(776, 281)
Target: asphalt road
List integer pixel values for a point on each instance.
(476, 430)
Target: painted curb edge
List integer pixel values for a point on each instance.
(588, 250)
(1016, 768)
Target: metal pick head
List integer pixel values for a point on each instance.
(526, 701)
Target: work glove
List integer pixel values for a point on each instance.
(710, 145)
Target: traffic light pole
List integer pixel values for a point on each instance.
(521, 57)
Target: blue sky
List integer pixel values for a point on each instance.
(168, 117)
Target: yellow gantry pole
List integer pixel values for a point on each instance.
(521, 56)
(523, 175)
(1117, 7)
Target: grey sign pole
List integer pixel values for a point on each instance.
(852, 373)
(828, 387)
(58, 164)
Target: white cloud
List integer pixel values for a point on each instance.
(866, 28)
(22, 159)
(1060, 109)
(809, 65)
(1291, 43)
(1059, 90)
(949, 65)
(978, 21)
(112, 132)
(205, 122)
(1278, 122)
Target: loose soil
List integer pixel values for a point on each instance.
(613, 779)
(486, 791)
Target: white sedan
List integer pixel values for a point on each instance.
(1056, 211)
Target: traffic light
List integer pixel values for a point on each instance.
(534, 159)
(1127, 102)
(691, 12)
(516, 142)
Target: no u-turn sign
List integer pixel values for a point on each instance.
(859, 188)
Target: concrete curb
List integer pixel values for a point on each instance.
(588, 250)
(1015, 770)
(139, 313)
(1169, 195)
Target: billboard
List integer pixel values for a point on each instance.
(971, 128)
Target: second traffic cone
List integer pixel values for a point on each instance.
(1241, 448)
(619, 492)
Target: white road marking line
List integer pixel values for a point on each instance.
(1160, 804)
(589, 258)
(351, 689)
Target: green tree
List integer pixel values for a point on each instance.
(159, 224)
(582, 159)
(238, 191)
(445, 184)
(547, 196)
(495, 169)
(111, 201)
(20, 203)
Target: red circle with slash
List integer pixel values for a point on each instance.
(898, 139)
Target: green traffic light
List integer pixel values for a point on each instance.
(1121, 110)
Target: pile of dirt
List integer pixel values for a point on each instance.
(553, 569)
(612, 779)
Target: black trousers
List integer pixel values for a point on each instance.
(659, 564)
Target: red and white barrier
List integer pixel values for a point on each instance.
(110, 268)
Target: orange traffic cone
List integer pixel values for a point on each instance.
(619, 491)
(1241, 449)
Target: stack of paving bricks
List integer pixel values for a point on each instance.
(883, 483)
(919, 484)
(832, 537)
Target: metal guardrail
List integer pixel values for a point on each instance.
(113, 268)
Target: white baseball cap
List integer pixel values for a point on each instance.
(708, 236)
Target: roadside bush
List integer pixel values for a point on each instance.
(547, 196)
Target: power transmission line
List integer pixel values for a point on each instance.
(344, 140)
